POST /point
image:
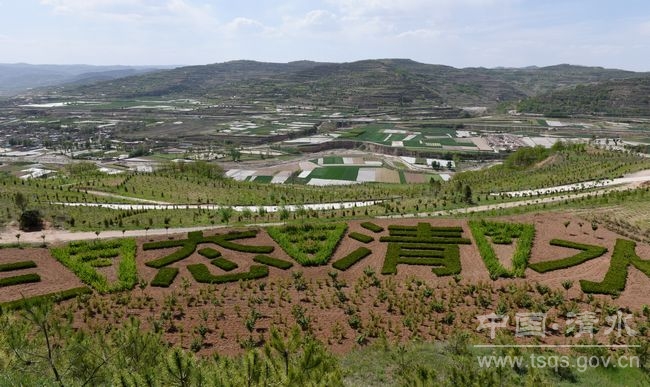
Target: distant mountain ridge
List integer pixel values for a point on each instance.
(19, 77)
(365, 83)
(621, 97)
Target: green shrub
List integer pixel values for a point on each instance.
(424, 245)
(352, 258)
(174, 257)
(433, 240)
(391, 260)
(201, 274)
(588, 252)
(372, 227)
(101, 262)
(165, 277)
(275, 262)
(446, 258)
(451, 266)
(437, 253)
(224, 240)
(17, 266)
(188, 246)
(31, 220)
(361, 237)
(244, 248)
(423, 226)
(195, 235)
(224, 264)
(162, 245)
(20, 279)
(210, 253)
(56, 297)
(616, 277)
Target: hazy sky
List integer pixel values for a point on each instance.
(459, 33)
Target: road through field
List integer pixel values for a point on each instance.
(9, 235)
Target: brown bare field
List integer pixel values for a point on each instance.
(386, 175)
(54, 276)
(416, 178)
(412, 303)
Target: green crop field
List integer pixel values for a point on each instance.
(332, 160)
(335, 173)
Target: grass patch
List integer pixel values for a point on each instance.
(329, 160)
(309, 244)
(335, 173)
(263, 179)
(503, 233)
(79, 257)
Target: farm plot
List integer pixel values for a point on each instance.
(335, 173)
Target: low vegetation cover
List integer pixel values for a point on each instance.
(80, 256)
(17, 266)
(361, 237)
(352, 258)
(202, 274)
(615, 279)
(588, 252)
(503, 233)
(20, 279)
(424, 245)
(372, 227)
(164, 277)
(309, 244)
(275, 262)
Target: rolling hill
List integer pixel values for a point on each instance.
(624, 97)
(19, 77)
(367, 83)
